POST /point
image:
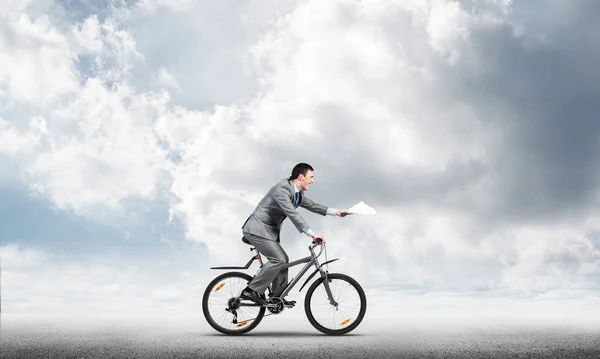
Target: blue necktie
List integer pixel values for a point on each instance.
(297, 198)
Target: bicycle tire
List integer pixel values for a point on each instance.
(208, 317)
(356, 321)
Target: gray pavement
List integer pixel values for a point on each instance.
(293, 337)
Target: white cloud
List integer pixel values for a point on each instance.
(36, 61)
(88, 35)
(551, 257)
(204, 143)
(173, 5)
(165, 78)
(14, 141)
(111, 154)
(337, 56)
(447, 27)
(95, 146)
(16, 257)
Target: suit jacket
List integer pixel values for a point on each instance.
(277, 205)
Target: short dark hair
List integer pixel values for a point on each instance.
(300, 168)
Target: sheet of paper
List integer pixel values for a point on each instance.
(361, 208)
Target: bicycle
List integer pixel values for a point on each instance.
(240, 316)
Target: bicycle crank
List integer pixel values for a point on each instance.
(276, 306)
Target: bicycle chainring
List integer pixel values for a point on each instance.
(278, 305)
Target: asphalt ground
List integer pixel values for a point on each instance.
(293, 337)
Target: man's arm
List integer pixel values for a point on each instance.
(315, 207)
(318, 208)
(281, 197)
(312, 206)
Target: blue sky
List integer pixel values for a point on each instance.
(136, 138)
(36, 222)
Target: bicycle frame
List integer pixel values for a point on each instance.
(309, 260)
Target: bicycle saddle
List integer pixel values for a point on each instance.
(246, 241)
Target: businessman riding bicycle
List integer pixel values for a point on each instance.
(263, 227)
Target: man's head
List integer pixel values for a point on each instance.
(302, 175)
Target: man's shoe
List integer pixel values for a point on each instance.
(287, 303)
(290, 303)
(249, 294)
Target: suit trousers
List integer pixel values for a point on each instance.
(272, 271)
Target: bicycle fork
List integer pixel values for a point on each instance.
(326, 281)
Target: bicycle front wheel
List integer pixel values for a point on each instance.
(329, 319)
(220, 307)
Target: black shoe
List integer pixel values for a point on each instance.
(249, 294)
(287, 303)
(290, 303)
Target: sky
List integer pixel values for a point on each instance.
(136, 137)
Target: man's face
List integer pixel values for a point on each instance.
(307, 180)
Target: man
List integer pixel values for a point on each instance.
(263, 226)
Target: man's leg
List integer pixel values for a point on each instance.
(271, 271)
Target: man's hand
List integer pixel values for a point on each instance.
(318, 239)
(342, 213)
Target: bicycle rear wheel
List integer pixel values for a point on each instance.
(351, 299)
(221, 294)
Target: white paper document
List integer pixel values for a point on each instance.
(361, 208)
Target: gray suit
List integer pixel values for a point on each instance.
(263, 227)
